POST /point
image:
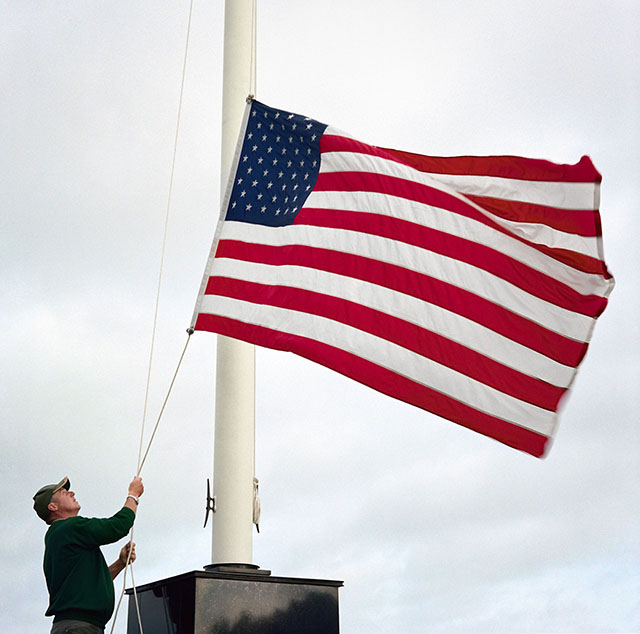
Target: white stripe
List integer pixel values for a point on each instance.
(449, 270)
(428, 316)
(334, 162)
(331, 131)
(561, 195)
(462, 226)
(551, 237)
(548, 193)
(387, 355)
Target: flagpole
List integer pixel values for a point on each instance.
(234, 460)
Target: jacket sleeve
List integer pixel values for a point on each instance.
(95, 531)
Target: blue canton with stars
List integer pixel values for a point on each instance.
(278, 167)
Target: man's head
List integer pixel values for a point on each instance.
(55, 501)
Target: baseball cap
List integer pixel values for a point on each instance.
(43, 496)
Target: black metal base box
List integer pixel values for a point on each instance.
(203, 602)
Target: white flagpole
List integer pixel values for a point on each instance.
(234, 461)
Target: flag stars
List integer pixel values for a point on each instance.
(286, 141)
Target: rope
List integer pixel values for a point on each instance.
(166, 398)
(128, 564)
(164, 237)
(252, 92)
(141, 458)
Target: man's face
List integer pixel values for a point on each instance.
(65, 502)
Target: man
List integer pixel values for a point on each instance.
(80, 584)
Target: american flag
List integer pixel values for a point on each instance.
(467, 286)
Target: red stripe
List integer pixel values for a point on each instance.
(424, 287)
(583, 223)
(516, 167)
(380, 379)
(407, 335)
(578, 261)
(578, 222)
(478, 255)
(418, 192)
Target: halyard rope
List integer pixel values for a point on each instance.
(166, 225)
(141, 459)
(128, 564)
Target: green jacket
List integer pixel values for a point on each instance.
(78, 578)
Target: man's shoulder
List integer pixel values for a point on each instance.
(62, 526)
(67, 522)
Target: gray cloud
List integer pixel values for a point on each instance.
(432, 527)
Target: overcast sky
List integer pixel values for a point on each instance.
(432, 527)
